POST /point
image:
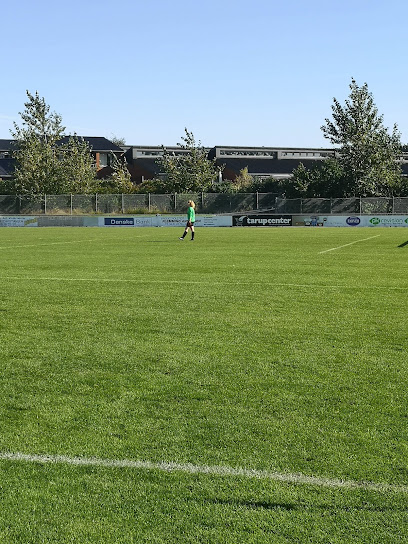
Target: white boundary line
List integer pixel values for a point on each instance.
(214, 470)
(192, 282)
(50, 243)
(350, 244)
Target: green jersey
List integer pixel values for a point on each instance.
(191, 214)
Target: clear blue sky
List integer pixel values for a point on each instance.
(234, 72)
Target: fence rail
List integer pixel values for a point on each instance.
(211, 203)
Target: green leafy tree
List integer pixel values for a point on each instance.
(44, 163)
(326, 179)
(244, 181)
(75, 169)
(120, 179)
(189, 170)
(36, 146)
(368, 153)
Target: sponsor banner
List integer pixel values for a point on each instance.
(350, 220)
(134, 221)
(326, 221)
(213, 221)
(262, 220)
(201, 221)
(18, 221)
(164, 221)
(119, 221)
(386, 221)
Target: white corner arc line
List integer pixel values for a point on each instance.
(349, 244)
(214, 470)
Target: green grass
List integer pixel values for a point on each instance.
(247, 348)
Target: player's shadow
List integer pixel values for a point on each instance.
(404, 244)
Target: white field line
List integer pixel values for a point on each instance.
(63, 242)
(214, 470)
(143, 281)
(50, 244)
(350, 244)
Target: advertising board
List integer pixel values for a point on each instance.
(164, 221)
(262, 220)
(350, 220)
(18, 221)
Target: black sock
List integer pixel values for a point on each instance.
(192, 235)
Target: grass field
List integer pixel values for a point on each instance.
(280, 351)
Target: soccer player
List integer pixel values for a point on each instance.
(190, 220)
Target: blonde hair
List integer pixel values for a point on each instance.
(191, 202)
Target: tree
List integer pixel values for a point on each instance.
(120, 142)
(244, 181)
(190, 169)
(368, 153)
(46, 164)
(36, 141)
(75, 169)
(120, 179)
(323, 180)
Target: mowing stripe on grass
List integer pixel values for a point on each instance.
(215, 470)
(349, 244)
(232, 282)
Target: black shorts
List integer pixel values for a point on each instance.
(190, 224)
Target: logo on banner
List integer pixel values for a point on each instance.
(119, 222)
(262, 220)
(353, 221)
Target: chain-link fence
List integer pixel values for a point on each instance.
(211, 203)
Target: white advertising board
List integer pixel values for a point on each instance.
(201, 221)
(351, 220)
(385, 220)
(164, 221)
(18, 221)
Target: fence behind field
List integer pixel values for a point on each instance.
(210, 203)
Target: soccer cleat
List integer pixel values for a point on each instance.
(181, 238)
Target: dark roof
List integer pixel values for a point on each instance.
(96, 143)
(6, 145)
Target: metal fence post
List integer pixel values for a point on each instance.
(96, 202)
(45, 204)
(149, 201)
(71, 203)
(175, 202)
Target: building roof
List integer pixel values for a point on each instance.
(96, 143)
(6, 145)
